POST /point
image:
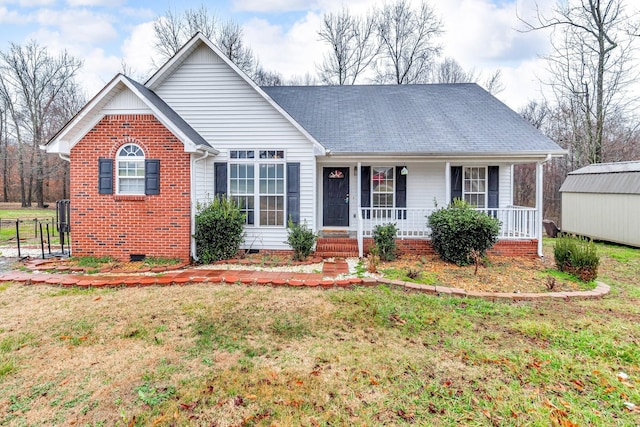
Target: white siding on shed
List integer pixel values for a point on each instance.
(610, 217)
(230, 114)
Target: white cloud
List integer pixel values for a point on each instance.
(36, 3)
(79, 26)
(11, 16)
(291, 52)
(109, 3)
(98, 70)
(272, 5)
(138, 52)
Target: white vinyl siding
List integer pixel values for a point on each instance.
(602, 216)
(228, 113)
(126, 100)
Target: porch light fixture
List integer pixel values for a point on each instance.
(404, 171)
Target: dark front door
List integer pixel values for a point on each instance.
(335, 200)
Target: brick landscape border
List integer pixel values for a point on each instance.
(232, 277)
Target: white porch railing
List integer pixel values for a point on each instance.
(517, 222)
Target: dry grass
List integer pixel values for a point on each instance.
(495, 274)
(231, 355)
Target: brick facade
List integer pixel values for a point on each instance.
(122, 225)
(508, 248)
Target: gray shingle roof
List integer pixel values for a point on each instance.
(421, 119)
(605, 178)
(169, 113)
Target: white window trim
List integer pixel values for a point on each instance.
(486, 184)
(130, 159)
(256, 162)
(393, 168)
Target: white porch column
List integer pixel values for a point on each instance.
(359, 211)
(539, 207)
(447, 184)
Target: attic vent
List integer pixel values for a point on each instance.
(137, 257)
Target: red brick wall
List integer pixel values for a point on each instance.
(508, 248)
(118, 226)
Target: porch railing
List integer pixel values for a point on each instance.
(517, 222)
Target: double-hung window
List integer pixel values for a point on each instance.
(130, 170)
(242, 189)
(259, 178)
(383, 191)
(474, 186)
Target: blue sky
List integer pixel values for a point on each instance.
(480, 34)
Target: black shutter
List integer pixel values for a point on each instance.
(456, 182)
(401, 192)
(365, 189)
(105, 176)
(151, 176)
(493, 187)
(220, 171)
(293, 192)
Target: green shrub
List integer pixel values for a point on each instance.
(301, 239)
(577, 256)
(458, 230)
(219, 230)
(384, 237)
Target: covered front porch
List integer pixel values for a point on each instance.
(357, 196)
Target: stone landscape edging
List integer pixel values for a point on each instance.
(140, 281)
(600, 290)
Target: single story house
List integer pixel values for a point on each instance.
(342, 158)
(602, 201)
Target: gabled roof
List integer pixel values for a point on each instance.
(448, 119)
(199, 39)
(75, 129)
(170, 114)
(611, 178)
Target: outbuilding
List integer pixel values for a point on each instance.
(602, 201)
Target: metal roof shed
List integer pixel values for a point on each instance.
(602, 201)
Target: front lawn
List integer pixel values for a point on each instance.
(233, 355)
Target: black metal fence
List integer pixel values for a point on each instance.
(47, 232)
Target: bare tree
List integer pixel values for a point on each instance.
(493, 84)
(264, 77)
(302, 80)
(353, 47)
(32, 82)
(4, 144)
(450, 71)
(174, 29)
(590, 66)
(229, 40)
(408, 42)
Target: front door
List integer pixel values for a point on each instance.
(335, 200)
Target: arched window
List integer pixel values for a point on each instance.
(130, 170)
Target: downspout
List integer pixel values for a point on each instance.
(193, 201)
(65, 157)
(539, 200)
(360, 229)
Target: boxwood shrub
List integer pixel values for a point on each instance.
(459, 229)
(219, 230)
(301, 239)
